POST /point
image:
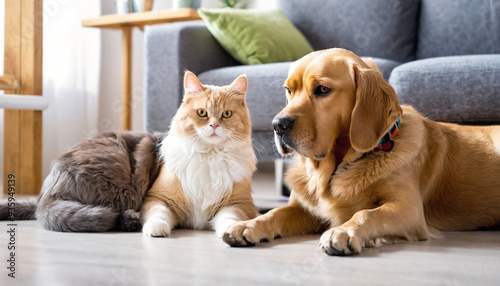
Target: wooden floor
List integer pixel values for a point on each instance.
(200, 258)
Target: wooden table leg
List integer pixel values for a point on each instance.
(126, 121)
(148, 5)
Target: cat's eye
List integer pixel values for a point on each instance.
(202, 113)
(227, 114)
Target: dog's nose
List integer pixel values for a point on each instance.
(282, 125)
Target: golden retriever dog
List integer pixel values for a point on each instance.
(370, 170)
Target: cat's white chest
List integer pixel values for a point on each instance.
(207, 175)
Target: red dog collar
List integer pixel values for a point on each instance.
(386, 143)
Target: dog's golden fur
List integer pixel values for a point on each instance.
(438, 176)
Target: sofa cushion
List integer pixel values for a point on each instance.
(378, 28)
(254, 36)
(461, 89)
(265, 94)
(458, 27)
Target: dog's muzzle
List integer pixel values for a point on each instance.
(282, 125)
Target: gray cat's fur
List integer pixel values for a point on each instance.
(98, 185)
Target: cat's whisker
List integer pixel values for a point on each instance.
(238, 137)
(256, 149)
(259, 146)
(258, 143)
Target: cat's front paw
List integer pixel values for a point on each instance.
(156, 228)
(130, 220)
(245, 233)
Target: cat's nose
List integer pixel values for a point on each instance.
(214, 126)
(282, 124)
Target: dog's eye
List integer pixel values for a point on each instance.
(322, 90)
(288, 90)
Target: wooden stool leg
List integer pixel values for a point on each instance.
(126, 122)
(148, 5)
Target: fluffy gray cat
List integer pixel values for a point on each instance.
(98, 185)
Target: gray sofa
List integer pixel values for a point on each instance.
(441, 56)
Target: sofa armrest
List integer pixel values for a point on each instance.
(170, 50)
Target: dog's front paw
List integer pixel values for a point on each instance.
(246, 233)
(156, 228)
(339, 241)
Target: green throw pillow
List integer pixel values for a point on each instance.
(256, 36)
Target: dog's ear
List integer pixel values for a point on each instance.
(370, 63)
(375, 111)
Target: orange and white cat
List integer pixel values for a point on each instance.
(208, 162)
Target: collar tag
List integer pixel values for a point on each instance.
(387, 143)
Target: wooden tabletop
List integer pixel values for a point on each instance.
(142, 18)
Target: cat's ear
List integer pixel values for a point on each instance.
(239, 85)
(192, 86)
